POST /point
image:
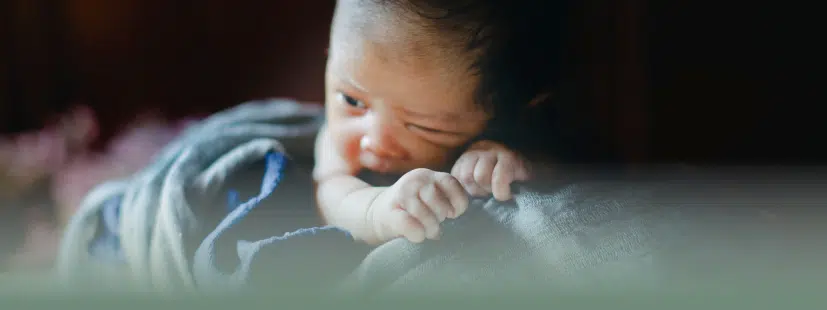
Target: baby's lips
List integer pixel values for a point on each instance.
(373, 162)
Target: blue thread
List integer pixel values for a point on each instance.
(107, 245)
(204, 264)
(232, 200)
(111, 215)
(252, 247)
(274, 167)
(309, 231)
(272, 177)
(247, 250)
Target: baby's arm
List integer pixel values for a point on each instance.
(343, 200)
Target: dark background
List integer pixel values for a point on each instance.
(696, 81)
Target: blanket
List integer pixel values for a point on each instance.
(145, 228)
(228, 207)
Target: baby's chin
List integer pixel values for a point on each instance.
(398, 171)
(383, 167)
(371, 162)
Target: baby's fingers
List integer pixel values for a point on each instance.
(483, 172)
(433, 197)
(428, 220)
(452, 189)
(463, 171)
(504, 173)
(403, 224)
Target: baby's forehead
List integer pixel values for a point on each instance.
(390, 58)
(397, 50)
(399, 30)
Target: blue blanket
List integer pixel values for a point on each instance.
(325, 246)
(146, 228)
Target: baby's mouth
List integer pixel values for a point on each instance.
(373, 162)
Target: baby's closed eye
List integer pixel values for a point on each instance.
(350, 101)
(438, 136)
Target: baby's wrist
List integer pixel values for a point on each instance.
(371, 221)
(368, 229)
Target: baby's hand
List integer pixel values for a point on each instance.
(489, 167)
(416, 204)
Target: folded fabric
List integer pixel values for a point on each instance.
(149, 225)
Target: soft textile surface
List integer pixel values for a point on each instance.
(188, 221)
(607, 235)
(149, 221)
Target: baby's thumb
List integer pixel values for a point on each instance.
(502, 190)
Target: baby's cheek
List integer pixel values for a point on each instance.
(347, 142)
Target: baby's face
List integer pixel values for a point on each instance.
(395, 101)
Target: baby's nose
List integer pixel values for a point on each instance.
(380, 145)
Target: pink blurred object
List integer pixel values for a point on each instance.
(30, 157)
(126, 155)
(60, 154)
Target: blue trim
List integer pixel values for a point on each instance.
(107, 245)
(232, 200)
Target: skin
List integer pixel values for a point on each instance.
(397, 102)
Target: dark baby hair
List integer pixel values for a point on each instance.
(517, 46)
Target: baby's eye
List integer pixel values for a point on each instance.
(353, 102)
(438, 136)
(427, 129)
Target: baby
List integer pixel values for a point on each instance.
(426, 90)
